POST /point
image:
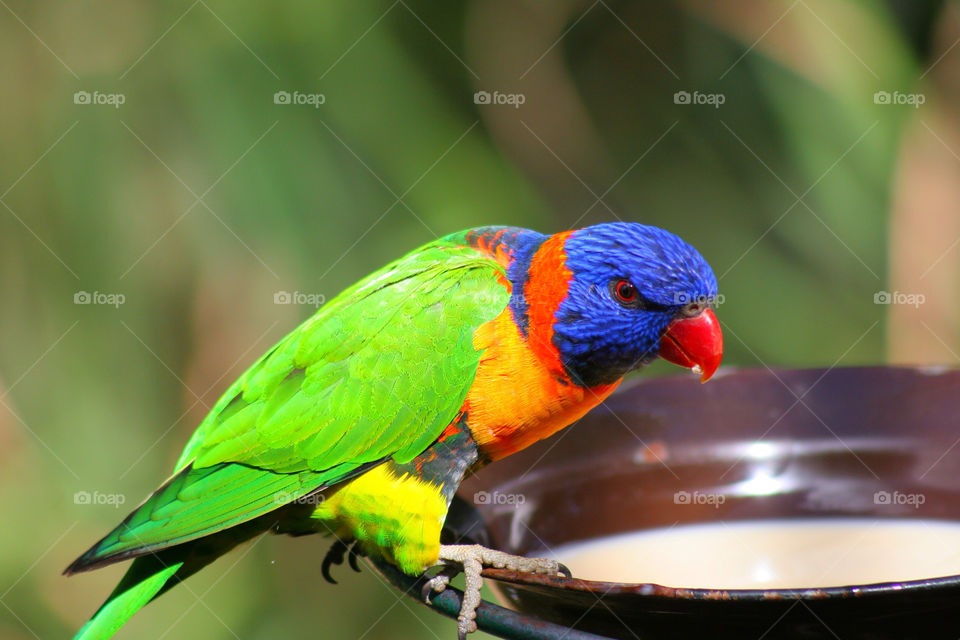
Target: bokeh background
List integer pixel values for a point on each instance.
(810, 149)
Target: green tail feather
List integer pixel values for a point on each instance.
(151, 575)
(142, 582)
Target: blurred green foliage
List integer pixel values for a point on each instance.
(199, 198)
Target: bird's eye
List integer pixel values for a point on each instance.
(628, 295)
(625, 293)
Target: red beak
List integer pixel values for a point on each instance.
(694, 343)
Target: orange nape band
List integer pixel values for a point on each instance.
(545, 289)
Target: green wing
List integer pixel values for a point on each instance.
(377, 373)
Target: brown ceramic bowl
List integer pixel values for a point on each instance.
(852, 432)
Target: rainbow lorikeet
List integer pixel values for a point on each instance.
(363, 421)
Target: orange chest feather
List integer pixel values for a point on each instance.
(515, 399)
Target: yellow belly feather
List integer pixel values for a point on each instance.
(398, 517)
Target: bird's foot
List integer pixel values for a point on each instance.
(335, 556)
(471, 559)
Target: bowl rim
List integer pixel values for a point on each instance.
(652, 589)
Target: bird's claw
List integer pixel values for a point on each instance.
(439, 582)
(353, 553)
(335, 556)
(471, 559)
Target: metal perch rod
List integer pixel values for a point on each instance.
(491, 618)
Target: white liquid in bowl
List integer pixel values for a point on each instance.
(771, 554)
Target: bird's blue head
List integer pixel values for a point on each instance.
(631, 292)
